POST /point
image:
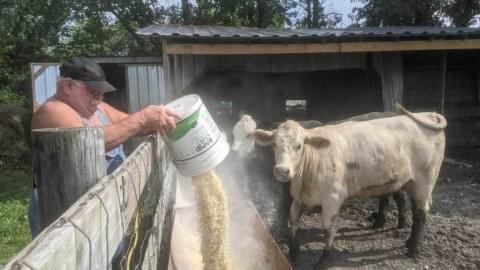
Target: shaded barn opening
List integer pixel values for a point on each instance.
(422, 77)
(115, 75)
(330, 95)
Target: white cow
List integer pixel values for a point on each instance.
(242, 143)
(329, 164)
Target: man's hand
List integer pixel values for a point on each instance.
(158, 119)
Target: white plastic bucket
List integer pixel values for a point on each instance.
(196, 144)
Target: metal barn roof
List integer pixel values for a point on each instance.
(227, 33)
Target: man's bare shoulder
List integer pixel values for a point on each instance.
(55, 113)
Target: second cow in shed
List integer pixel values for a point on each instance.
(329, 164)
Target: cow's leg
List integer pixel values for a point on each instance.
(420, 197)
(329, 216)
(418, 229)
(400, 200)
(293, 219)
(380, 217)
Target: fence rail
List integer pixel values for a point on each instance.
(88, 234)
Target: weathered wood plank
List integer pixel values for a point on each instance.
(158, 250)
(165, 219)
(88, 233)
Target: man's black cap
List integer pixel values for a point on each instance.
(86, 70)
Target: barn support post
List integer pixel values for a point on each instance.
(443, 78)
(478, 84)
(67, 162)
(390, 67)
(167, 72)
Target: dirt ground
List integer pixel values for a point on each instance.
(452, 237)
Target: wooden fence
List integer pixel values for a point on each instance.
(131, 208)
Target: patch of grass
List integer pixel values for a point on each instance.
(15, 187)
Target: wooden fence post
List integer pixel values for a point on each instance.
(67, 162)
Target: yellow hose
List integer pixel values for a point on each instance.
(134, 245)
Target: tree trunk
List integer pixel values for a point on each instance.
(316, 12)
(309, 13)
(260, 13)
(186, 12)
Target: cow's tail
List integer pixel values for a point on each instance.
(440, 123)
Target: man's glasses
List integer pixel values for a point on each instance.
(92, 91)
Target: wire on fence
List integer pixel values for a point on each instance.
(143, 219)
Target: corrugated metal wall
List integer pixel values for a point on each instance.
(146, 85)
(44, 81)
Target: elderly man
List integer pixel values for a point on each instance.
(78, 103)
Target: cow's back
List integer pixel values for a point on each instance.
(379, 156)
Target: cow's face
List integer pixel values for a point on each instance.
(288, 141)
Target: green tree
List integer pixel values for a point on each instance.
(397, 13)
(28, 30)
(254, 13)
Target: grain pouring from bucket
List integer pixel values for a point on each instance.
(197, 146)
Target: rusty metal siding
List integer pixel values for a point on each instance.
(146, 85)
(44, 81)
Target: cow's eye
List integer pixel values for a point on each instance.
(298, 147)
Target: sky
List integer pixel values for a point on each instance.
(343, 7)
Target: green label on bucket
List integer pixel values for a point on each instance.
(184, 126)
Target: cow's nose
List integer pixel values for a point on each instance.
(281, 171)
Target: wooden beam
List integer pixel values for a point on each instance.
(127, 60)
(251, 48)
(339, 47)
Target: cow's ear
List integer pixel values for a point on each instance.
(262, 137)
(317, 141)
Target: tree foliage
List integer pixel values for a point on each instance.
(27, 28)
(253, 13)
(415, 12)
(462, 12)
(398, 13)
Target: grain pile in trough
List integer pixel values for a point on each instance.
(213, 217)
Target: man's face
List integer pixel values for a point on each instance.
(84, 99)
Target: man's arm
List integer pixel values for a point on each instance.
(114, 114)
(120, 131)
(149, 120)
